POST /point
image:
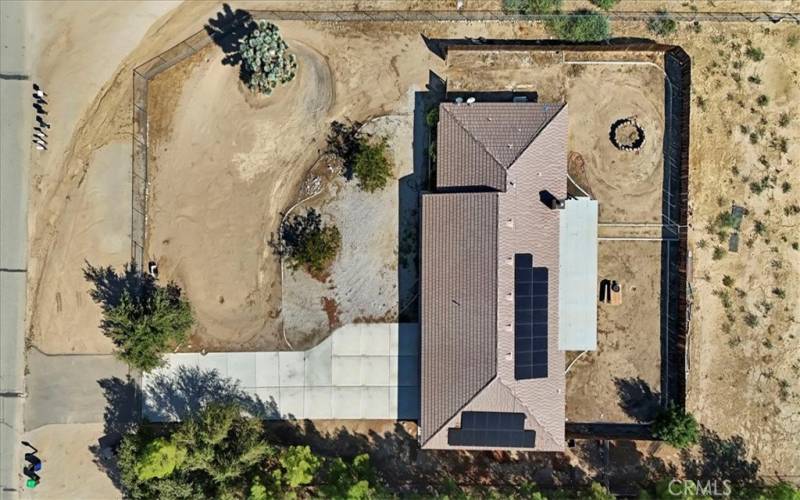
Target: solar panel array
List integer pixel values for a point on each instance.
(492, 429)
(530, 318)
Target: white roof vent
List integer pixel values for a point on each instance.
(470, 100)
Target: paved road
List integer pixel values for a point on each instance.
(15, 122)
(76, 389)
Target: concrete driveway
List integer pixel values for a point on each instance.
(362, 371)
(76, 389)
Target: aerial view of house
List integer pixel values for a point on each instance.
(399, 248)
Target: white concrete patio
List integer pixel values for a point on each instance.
(362, 371)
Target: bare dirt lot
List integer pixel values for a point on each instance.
(247, 157)
(621, 380)
(742, 380)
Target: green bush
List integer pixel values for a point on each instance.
(265, 58)
(605, 4)
(662, 24)
(142, 318)
(371, 166)
(584, 26)
(432, 117)
(306, 242)
(676, 427)
(531, 6)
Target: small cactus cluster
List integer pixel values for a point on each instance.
(265, 56)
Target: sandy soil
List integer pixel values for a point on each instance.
(621, 381)
(80, 190)
(68, 468)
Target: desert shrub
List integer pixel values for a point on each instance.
(143, 319)
(266, 60)
(531, 6)
(779, 292)
(718, 253)
(755, 79)
(727, 281)
(605, 4)
(751, 320)
(306, 242)
(762, 100)
(662, 24)
(792, 40)
(784, 119)
(786, 186)
(581, 26)
(371, 166)
(754, 53)
(676, 426)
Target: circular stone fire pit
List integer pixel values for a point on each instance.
(626, 134)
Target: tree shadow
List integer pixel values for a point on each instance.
(227, 29)
(120, 417)
(110, 287)
(173, 397)
(721, 459)
(637, 399)
(406, 469)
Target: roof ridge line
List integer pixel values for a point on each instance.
(544, 126)
(475, 139)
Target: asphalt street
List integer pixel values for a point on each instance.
(16, 121)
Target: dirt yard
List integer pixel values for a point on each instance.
(742, 357)
(621, 381)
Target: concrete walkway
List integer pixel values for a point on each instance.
(362, 371)
(76, 389)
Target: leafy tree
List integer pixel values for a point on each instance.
(605, 4)
(207, 456)
(531, 6)
(299, 465)
(159, 458)
(676, 427)
(581, 26)
(143, 319)
(257, 490)
(265, 58)
(662, 24)
(306, 242)
(354, 480)
(371, 166)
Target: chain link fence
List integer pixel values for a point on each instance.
(489, 15)
(141, 76)
(150, 69)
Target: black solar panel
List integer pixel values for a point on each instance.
(492, 429)
(530, 318)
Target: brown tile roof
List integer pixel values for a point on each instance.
(477, 143)
(467, 361)
(458, 302)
